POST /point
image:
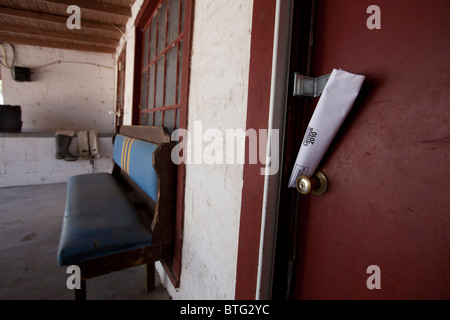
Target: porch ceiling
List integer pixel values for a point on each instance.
(43, 23)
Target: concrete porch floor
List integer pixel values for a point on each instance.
(30, 226)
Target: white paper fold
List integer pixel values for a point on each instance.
(334, 104)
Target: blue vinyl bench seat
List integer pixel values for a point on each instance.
(99, 220)
(119, 220)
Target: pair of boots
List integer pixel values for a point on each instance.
(63, 140)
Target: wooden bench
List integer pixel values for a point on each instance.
(124, 219)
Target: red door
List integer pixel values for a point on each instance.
(388, 202)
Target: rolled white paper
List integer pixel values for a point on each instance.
(334, 104)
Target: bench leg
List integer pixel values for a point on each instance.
(80, 294)
(150, 285)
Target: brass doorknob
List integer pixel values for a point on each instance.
(318, 184)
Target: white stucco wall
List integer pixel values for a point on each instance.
(218, 89)
(75, 94)
(30, 160)
(217, 97)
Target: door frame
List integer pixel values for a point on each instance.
(268, 88)
(279, 92)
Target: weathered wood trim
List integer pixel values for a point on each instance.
(103, 8)
(155, 135)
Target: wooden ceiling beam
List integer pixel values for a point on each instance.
(72, 35)
(52, 18)
(55, 44)
(95, 6)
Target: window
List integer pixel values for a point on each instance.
(161, 76)
(161, 67)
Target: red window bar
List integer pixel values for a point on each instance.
(161, 66)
